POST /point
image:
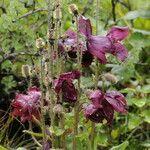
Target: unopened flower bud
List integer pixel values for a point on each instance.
(40, 43)
(110, 77)
(26, 71)
(58, 109)
(73, 9)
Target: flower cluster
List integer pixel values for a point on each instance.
(95, 46)
(64, 85)
(103, 105)
(27, 105)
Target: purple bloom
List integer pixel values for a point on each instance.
(27, 105)
(65, 85)
(103, 106)
(98, 46)
(69, 45)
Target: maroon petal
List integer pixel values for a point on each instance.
(117, 101)
(87, 58)
(75, 74)
(27, 105)
(118, 33)
(98, 46)
(108, 111)
(96, 97)
(57, 84)
(71, 34)
(85, 27)
(69, 92)
(119, 51)
(93, 114)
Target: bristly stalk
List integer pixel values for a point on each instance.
(76, 108)
(42, 98)
(50, 65)
(92, 135)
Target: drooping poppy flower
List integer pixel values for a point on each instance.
(98, 46)
(103, 106)
(64, 84)
(69, 45)
(27, 105)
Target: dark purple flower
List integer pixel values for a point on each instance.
(103, 106)
(98, 46)
(27, 105)
(69, 45)
(117, 100)
(65, 85)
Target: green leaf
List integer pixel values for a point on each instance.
(146, 144)
(122, 146)
(146, 115)
(139, 102)
(128, 90)
(56, 131)
(2, 148)
(134, 121)
(137, 13)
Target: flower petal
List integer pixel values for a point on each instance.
(119, 51)
(71, 34)
(85, 27)
(96, 97)
(118, 33)
(69, 92)
(87, 58)
(117, 100)
(98, 46)
(93, 114)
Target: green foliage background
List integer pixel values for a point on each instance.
(23, 21)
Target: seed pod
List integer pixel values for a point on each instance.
(40, 43)
(58, 109)
(110, 77)
(26, 71)
(73, 9)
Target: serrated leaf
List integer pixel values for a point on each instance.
(122, 146)
(146, 115)
(139, 102)
(134, 121)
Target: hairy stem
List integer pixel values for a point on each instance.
(92, 135)
(34, 139)
(76, 108)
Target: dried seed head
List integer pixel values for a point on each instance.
(40, 43)
(58, 109)
(26, 71)
(73, 9)
(110, 77)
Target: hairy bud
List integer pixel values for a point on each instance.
(58, 109)
(73, 9)
(40, 43)
(110, 77)
(26, 71)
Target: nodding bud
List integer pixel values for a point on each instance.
(110, 77)
(40, 43)
(58, 109)
(73, 9)
(26, 71)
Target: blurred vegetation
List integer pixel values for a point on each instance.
(23, 21)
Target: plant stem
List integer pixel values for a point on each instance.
(76, 108)
(34, 139)
(42, 99)
(50, 67)
(92, 135)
